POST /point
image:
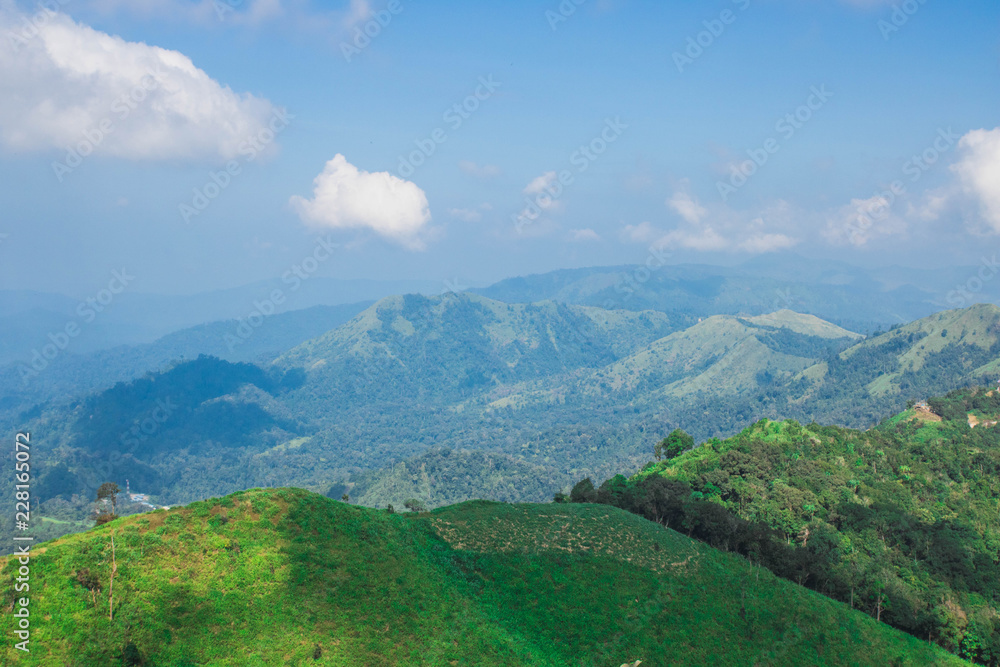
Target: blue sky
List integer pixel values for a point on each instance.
(671, 135)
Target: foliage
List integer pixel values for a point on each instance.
(295, 578)
(902, 521)
(677, 442)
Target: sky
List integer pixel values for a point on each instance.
(206, 144)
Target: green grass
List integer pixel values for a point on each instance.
(263, 577)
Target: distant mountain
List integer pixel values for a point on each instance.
(282, 576)
(75, 374)
(540, 394)
(132, 317)
(858, 299)
(457, 343)
(929, 356)
(722, 354)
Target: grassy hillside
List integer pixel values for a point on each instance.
(902, 521)
(721, 355)
(273, 577)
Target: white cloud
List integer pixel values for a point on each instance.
(862, 221)
(703, 238)
(716, 227)
(762, 243)
(484, 171)
(685, 206)
(345, 197)
(978, 171)
(541, 189)
(580, 235)
(245, 13)
(641, 233)
(466, 214)
(71, 84)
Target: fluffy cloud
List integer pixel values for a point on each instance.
(345, 197)
(861, 221)
(978, 171)
(66, 85)
(718, 228)
(690, 210)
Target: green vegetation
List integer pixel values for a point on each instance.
(283, 576)
(529, 398)
(902, 521)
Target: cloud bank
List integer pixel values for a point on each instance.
(66, 85)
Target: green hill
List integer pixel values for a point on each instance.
(719, 355)
(926, 357)
(478, 338)
(283, 576)
(901, 521)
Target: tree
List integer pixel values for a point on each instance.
(346, 498)
(107, 492)
(673, 445)
(583, 492)
(415, 505)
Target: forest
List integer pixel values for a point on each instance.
(901, 521)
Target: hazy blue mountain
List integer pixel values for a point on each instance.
(858, 299)
(130, 318)
(76, 374)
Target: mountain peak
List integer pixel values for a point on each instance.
(801, 323)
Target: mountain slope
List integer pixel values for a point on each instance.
(505, 341)
(73, 374)
(282, 576)
(902, 521)
(721, 355)
(929, 356)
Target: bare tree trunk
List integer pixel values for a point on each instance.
(111, 587)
